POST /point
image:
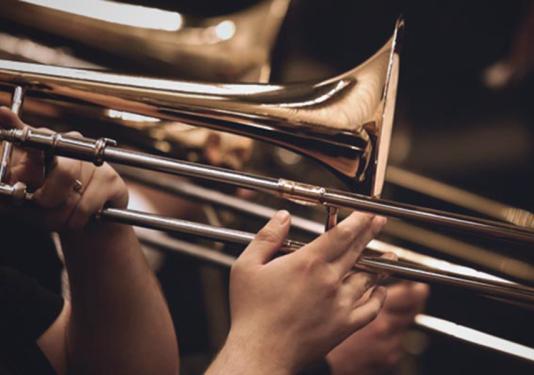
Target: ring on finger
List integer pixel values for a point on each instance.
(78, 186)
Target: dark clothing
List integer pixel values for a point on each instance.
(26, 311)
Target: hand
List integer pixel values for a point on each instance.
(71, 191)
(376, 348)
(291, 310)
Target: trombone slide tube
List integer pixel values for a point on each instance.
(100, 150)
(373, 264)
(431, 323)
(499, 289)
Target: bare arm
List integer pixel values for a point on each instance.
(118, 321)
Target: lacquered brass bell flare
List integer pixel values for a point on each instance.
(344, 122)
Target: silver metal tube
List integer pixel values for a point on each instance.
(191, 191)
(7, 147)
(514, 292)
(102, 150)
(163, 242)
(151, 221)
(506, 290)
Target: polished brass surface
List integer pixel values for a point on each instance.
(345, 122)
(224, 47)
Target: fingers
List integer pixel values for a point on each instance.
(104, 188)
(59, 183)
(338, 240)
(358, 283)
(268, 240)
(346, 261)
(368, 311)
(9, 120)
(406, 297)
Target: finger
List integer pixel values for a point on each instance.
(9, 120)
(57, 218)
(337, 241)
(27, 165)
(388, 325)
(389, 256)
(59, 183)
(358, 283)
(268, 240)
(399, 322)
(347, 260)
(406, 297)
(95, 197)
(366, 313)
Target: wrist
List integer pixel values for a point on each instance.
(244, 356)
(99, 237)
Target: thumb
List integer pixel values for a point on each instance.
(268, 240)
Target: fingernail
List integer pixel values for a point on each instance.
(281, 216)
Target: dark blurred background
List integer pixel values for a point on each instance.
(465, 116)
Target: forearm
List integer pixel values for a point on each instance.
(239, 358)
(120, 322)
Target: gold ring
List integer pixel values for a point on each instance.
(78, 186)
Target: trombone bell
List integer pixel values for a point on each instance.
(344, 122)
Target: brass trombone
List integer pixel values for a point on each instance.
(344, 122)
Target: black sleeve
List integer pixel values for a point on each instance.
(26, 311)
(319, 368)
(26, 308)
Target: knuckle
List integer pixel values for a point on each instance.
(268, 235)
(329, 279)
(345, 233)
(310, 265)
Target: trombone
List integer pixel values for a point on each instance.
(344, 122)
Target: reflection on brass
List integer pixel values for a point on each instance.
(344, 122)
(221, 47)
